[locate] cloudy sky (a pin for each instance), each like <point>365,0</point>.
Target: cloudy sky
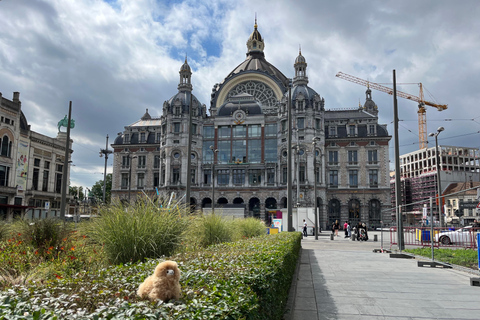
<point>115,58</point>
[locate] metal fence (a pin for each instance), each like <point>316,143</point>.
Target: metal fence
<point>442,237</point>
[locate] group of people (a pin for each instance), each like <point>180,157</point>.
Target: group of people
<point>360,230</point>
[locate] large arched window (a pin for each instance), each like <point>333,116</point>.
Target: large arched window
<point>354,211</point>
<point>333,211</point>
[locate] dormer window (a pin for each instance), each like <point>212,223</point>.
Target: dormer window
<point>254,44</point>
<point>142,137</point>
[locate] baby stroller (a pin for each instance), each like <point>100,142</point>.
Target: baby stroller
<point>362,233</point>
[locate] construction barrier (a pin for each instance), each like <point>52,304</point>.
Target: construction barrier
<point>442,237</point>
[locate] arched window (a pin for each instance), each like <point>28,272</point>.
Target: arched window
<point>333,211</point>
<point>354,211</point>
<point>6,146</point>
<point>374,213</point>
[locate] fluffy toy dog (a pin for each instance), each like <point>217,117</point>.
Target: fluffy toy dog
<point>163,284</point>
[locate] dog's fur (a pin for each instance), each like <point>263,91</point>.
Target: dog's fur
<point>162,284</point>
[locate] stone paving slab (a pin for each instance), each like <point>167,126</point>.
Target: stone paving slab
<point>344,279</point>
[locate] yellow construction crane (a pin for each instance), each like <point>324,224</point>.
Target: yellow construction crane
<point>422,120</point>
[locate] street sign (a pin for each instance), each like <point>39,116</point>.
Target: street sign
<point>47,205</point>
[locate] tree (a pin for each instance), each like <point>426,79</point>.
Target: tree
<point>97,189</point>
<point>76,192</point>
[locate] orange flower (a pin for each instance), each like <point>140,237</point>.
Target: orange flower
<point>19,234</point>
<point>36,251</point>
<point>58,277</point>
<point>62,248</point>
<point>64,239</point>
<point>72,248</point>
<point>50,248</point>
<point>84,236</point>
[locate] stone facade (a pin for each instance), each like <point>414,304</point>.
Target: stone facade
<point>245,138</point>
<point>31,165</point>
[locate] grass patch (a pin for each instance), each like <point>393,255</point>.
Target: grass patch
<point>462,257</point>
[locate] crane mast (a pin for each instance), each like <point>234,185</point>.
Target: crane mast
<point>422,119</point>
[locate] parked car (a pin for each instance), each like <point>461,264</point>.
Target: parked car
<point>463,235</point>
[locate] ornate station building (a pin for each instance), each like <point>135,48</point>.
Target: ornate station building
<point>243,138</point>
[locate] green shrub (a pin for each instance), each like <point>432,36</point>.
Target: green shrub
<point>42,234</point>
<point>462,257</point>
<point>210,229</point>
<point>248,279</point>
<point>249,227</point>
<point>138,232</point>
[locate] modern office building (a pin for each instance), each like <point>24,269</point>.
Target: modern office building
<point>31,165</point>
<point>419,176</point>
<point>244,139</point>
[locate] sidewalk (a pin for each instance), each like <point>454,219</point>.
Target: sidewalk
<point>344,279</point>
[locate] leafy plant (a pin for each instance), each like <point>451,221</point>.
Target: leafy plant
<point>249,227</point>
<point>211,229</point>
<point>135,233</point>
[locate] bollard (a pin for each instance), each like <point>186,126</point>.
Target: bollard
<point>375,237</point>
<point>331,236</point>
<point>353,237</point>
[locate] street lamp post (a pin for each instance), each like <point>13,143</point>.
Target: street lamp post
<point>439,184</point>
<point>314,142</point>
<point>105,152</point>
<point>213,177</point>
<point>130,158</point>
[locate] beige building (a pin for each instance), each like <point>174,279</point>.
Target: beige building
<point>244,141</point>
<point>31,165</point>
<point>461,200</point>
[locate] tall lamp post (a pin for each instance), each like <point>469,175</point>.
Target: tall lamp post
<point>105,152</point>
<point>439,184</point>
<point>130,175</point>
<point>213,177</point>
<point>314,142</point>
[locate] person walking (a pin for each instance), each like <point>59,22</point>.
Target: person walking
<point>345,226</point>
<point>349,230</point>
<point>304,228</point>
<point>336,226</point>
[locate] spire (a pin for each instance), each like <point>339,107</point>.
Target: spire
<point>185,77</point>
<point>300,66</point>
<point>255,42</point>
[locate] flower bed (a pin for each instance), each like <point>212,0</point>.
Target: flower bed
<point>247,279</point>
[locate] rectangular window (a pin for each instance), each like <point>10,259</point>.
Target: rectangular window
<point>127,138</point>
<point>352,157</point>
<point>333,178</point>
<point>371,129</point>
<point>125,161</point>
<point>372,156</point>
<point>300,123</point>
<point>4,171</point>
<point>254,151</point>
<point>194,128</point>
<point>223,177</point>
<point>58,182</point>
<point>207,152</point>
<point>223,151</point>
<point>271,130</point>
<point>207,176</point>
<point>176,175</point>
<point>351,130</point>
<point>176,127</point>
<point>373,178</point>
<point>156,161</point>
<point>142,160</point>
<point>318,124</point>
<point>254,131</point>
<point>36,162</point>
<point>332,131</point>
<point>271,150</point>
<point>284,125</point>
<point>158,137</point>
<point>353,178</point>
<point>284,175</point>
<point>35,178</point>
<point>301,174</point>
<point>156,179</point>
<point>255,177</point>
<point>332,157</point>
<point>239,131</point>
<point>239,151</point>
<point>224,132</point>
<point>208,132</point>
<point>271,175</point>
<point>142,137</point>
<point>192,175</point>
<point>140,180</point>
<point>238,176</point>
<point>45,180</point>
<point>46,165</point>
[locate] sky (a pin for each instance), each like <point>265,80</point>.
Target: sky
<point>116,58</point>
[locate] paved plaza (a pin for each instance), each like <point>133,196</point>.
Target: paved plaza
<point>344,279</point>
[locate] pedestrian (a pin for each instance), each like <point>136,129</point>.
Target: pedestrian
<point>349,230</point>
<point>336,226</point>
<point>304,228</point>
<point>345,225</point>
